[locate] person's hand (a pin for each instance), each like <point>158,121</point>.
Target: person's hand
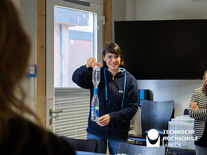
<point>91,62</point>
<point>194,105</point>
<point>103,120</point>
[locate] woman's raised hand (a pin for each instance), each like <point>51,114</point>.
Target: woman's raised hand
<point>91,62</point>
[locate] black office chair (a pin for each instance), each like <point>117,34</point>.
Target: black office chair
<point>186,112</point>
<point>82,145</point>
<point>154,115</point>
<point>130,149</point>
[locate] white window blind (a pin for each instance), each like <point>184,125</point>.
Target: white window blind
<point>74,104</point>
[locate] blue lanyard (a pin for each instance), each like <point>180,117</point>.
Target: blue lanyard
<point>106,95</point>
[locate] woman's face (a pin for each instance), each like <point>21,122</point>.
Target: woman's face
<point>112,61</point>
<point>205,79</point>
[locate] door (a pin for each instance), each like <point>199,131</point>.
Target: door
<point>74,33</point>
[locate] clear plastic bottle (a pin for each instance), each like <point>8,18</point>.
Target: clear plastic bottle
<point>96,76</point>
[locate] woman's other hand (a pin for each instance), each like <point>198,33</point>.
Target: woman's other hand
<point>91,62</point>
<point>103,120</point>
<point>194,105</point>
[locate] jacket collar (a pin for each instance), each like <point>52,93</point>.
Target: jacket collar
<point>119,74</point>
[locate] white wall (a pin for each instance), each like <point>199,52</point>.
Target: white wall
<point>130,13</point>
<point>178,90</point>
<point>171,9</point>
<point>17,3</point>
<point>28,10</point>
<point>118,12</point>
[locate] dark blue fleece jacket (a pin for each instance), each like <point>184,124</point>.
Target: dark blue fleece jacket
<point>120,117</point>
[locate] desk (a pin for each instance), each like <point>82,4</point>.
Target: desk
<point>131,149</point>
<point>87,153</point>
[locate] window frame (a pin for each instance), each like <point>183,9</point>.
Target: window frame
<point>96,6</point>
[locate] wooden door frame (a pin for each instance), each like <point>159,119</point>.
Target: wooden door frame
<point>107,28</point>
<point>41,61</point>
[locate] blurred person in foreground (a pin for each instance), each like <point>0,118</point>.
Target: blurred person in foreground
<point>18,135</point>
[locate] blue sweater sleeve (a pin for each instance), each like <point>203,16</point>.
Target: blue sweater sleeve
<point>83,77</point>
<point>130,105</point>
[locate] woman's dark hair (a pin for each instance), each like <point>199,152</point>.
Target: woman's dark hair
<point>15,48</point>
<point>14,56</point>
<point>111,47</point>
